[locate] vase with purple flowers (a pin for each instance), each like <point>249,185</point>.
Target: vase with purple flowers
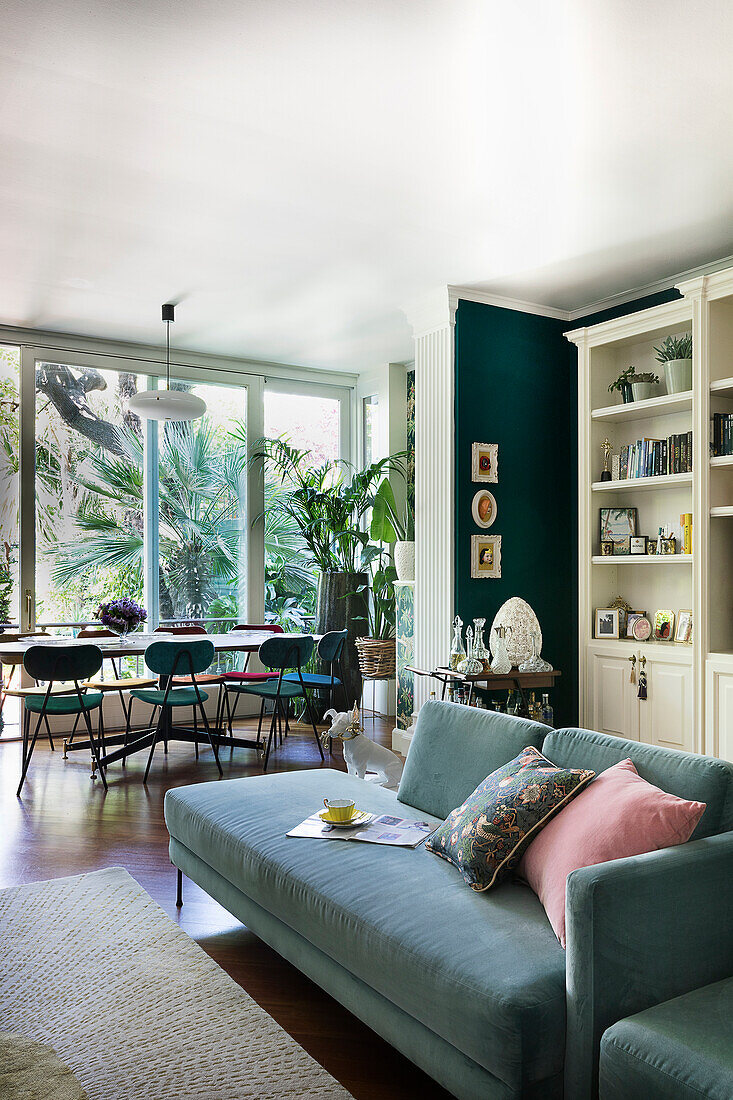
<point>121,615</point>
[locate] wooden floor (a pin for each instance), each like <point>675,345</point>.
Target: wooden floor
<point>65,824</point>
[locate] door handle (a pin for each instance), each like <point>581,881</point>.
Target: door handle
<point>29,608</point>
<point>632,671</point>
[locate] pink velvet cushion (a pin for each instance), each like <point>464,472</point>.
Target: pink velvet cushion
<point>618,814</point>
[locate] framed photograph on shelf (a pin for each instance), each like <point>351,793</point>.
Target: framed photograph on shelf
<point>485,462</point>
<point>607,622</point>
<point>631,622</point>
<point>485,556</point>
<point>483,508</point>
<point>617,523</point>
<point>622,546</point>
<point>607,548</point>
<point>684,627</point>
<point>638,544</point>
<point>664,626</point>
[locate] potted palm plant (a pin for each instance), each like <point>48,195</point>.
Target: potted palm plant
<point>329,504</point>
<point>676,354</point>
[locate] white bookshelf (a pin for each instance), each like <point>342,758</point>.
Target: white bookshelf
<point>690,696</point>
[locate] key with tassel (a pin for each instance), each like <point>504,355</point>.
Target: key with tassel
<point>641,693</point>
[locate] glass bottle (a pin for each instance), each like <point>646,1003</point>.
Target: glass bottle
<point>481,653</point>
<point>501,665</point>
<point>470,666</point>
<point>548,714</point>
<point>457,649</point>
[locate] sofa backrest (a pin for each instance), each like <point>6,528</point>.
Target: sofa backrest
<point>454,747</point>
<point>697,778</point>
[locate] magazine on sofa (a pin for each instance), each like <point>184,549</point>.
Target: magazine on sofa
<point>400,832</point>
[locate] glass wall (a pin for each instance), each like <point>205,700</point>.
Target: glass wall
<point>202,503</point>
<point>309,423</point>
<point>89,491</point>
<point>9,485</point>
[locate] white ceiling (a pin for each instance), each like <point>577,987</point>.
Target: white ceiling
<point>295,171</point>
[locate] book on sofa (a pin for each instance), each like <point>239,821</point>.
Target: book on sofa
<point>400,832</point>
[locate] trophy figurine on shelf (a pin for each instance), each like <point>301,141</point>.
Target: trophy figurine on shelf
<point>605,472</point>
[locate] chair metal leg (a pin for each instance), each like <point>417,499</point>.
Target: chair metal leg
<point>270,739</point>
<point>74,729</point>
<point>27,749</point>
<point>156,735</point>
<point>214,748</point>
<point>311,715</point>
<point>259,724</point>
<point>48,731</point>
<point>95,751</point>
<point>196,731</point>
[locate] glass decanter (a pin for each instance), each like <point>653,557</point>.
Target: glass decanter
<point>501,665</point>
<point>457,649</point>
<point>534,662</point>
<point>470,666</point>
<point>480,651</point>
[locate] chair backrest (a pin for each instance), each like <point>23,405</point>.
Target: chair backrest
<point>62,662</point>
<point>182,658</point>
<point>96,632</point>
<point>286,651</point>
<point>179,630</point>
<point>271,628</point>
<point>332,644</point>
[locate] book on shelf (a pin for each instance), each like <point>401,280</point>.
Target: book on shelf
<point>721,442</point>
<point>657,457</point>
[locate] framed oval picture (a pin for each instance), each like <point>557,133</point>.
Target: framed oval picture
<point>483,508</point>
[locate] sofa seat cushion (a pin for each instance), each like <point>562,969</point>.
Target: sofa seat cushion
<point>680,1049</point>
<point>483,971</point>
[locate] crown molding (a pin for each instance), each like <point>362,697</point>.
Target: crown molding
<point>485,298</point>
<point>430,312</point>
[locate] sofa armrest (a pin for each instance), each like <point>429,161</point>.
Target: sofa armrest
<point>639,931</point>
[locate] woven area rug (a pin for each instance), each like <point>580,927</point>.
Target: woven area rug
<point>94,969</point>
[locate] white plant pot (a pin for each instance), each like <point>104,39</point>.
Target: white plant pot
<point>404,560</point>
<point>643,390</point>
<point>678,375</point>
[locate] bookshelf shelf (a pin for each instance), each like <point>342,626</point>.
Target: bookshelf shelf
<point>643,410</point>
<point>722,387</point>
<point>663,481</point>
<point>643,559</point>
<point>721,460</point>
<point>722,510</point>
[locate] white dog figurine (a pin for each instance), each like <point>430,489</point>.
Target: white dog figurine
<point>361,753</point>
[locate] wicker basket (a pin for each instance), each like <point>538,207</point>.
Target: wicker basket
<point>377,657</point>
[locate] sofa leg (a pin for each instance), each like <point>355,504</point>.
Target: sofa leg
<point>179,888</point>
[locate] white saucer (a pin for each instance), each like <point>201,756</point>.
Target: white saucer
<point>359,818</point>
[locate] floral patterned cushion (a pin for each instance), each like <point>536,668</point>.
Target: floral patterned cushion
<point>486,836</point>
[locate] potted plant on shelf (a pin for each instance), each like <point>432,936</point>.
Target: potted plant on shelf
<point>397,530</point>
<point>623,385</point>
<point>329,503</point>
<point>643,385</point>
<point>676,354</point>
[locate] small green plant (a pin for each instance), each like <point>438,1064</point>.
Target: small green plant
<point>647,376</point>
<point>623,380</point>
<point>675,347</point>
<point>387,524</point>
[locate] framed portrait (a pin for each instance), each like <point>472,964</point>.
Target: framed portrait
<point>483,508</point>
<point>606,549</point>
<point>664,626</point>
<point>631,621</point>
<point>651,546</point>
<point>622,545</point>
<point>485,556</point>
<point>684,627</point>
<point>617,523</point>
<point>607,620</point>
<point>485,462</point>
<point>638,544</point>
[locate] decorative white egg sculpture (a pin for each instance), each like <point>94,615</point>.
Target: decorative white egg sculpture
<point>519,618</point>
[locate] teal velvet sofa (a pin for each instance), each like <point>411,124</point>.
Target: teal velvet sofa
<point>472,987</point>
<point>679,1050</point>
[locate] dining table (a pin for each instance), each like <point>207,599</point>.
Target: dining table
<point>118,746</point>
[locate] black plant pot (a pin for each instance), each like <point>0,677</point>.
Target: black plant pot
<point>342,606</point>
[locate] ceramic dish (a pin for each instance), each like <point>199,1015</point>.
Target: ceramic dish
<point>359,818</point>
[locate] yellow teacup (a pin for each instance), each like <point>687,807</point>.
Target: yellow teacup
<point>339,809</point>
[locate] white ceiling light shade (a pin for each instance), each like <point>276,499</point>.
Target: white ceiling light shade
<point>167,404</point>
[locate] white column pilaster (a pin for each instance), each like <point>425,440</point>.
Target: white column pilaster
<point>432,323</point>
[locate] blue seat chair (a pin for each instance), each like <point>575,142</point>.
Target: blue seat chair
<point>285,653</point>
<point>168,659</point>
<point>69,665</point>
<point>330,650</point>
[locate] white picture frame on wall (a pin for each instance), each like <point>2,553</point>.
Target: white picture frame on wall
<point>485,462</point>
<point>485,556</point>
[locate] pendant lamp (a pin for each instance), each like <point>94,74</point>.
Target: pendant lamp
<point>167,404</point>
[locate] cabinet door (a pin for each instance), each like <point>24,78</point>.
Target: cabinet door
<point>614,705</point>
<point>665,716</point>
<point>719,710</point>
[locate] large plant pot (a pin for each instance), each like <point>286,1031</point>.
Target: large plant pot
<point>678,375</point>
<point>342,606</point>
<point>404,560</point>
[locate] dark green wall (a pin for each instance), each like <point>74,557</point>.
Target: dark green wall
<point>516,385</point>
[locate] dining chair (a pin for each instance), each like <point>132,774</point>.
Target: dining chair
<point>67,665</point>
<point>117,683</point>
<point>244,676</point>
<point>166,659</point>
<point>287,652</point>
<point>14,663</point>
<point>330,650</point>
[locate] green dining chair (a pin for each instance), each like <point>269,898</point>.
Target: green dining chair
<point>69,664</point>
<point>167,660</point>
